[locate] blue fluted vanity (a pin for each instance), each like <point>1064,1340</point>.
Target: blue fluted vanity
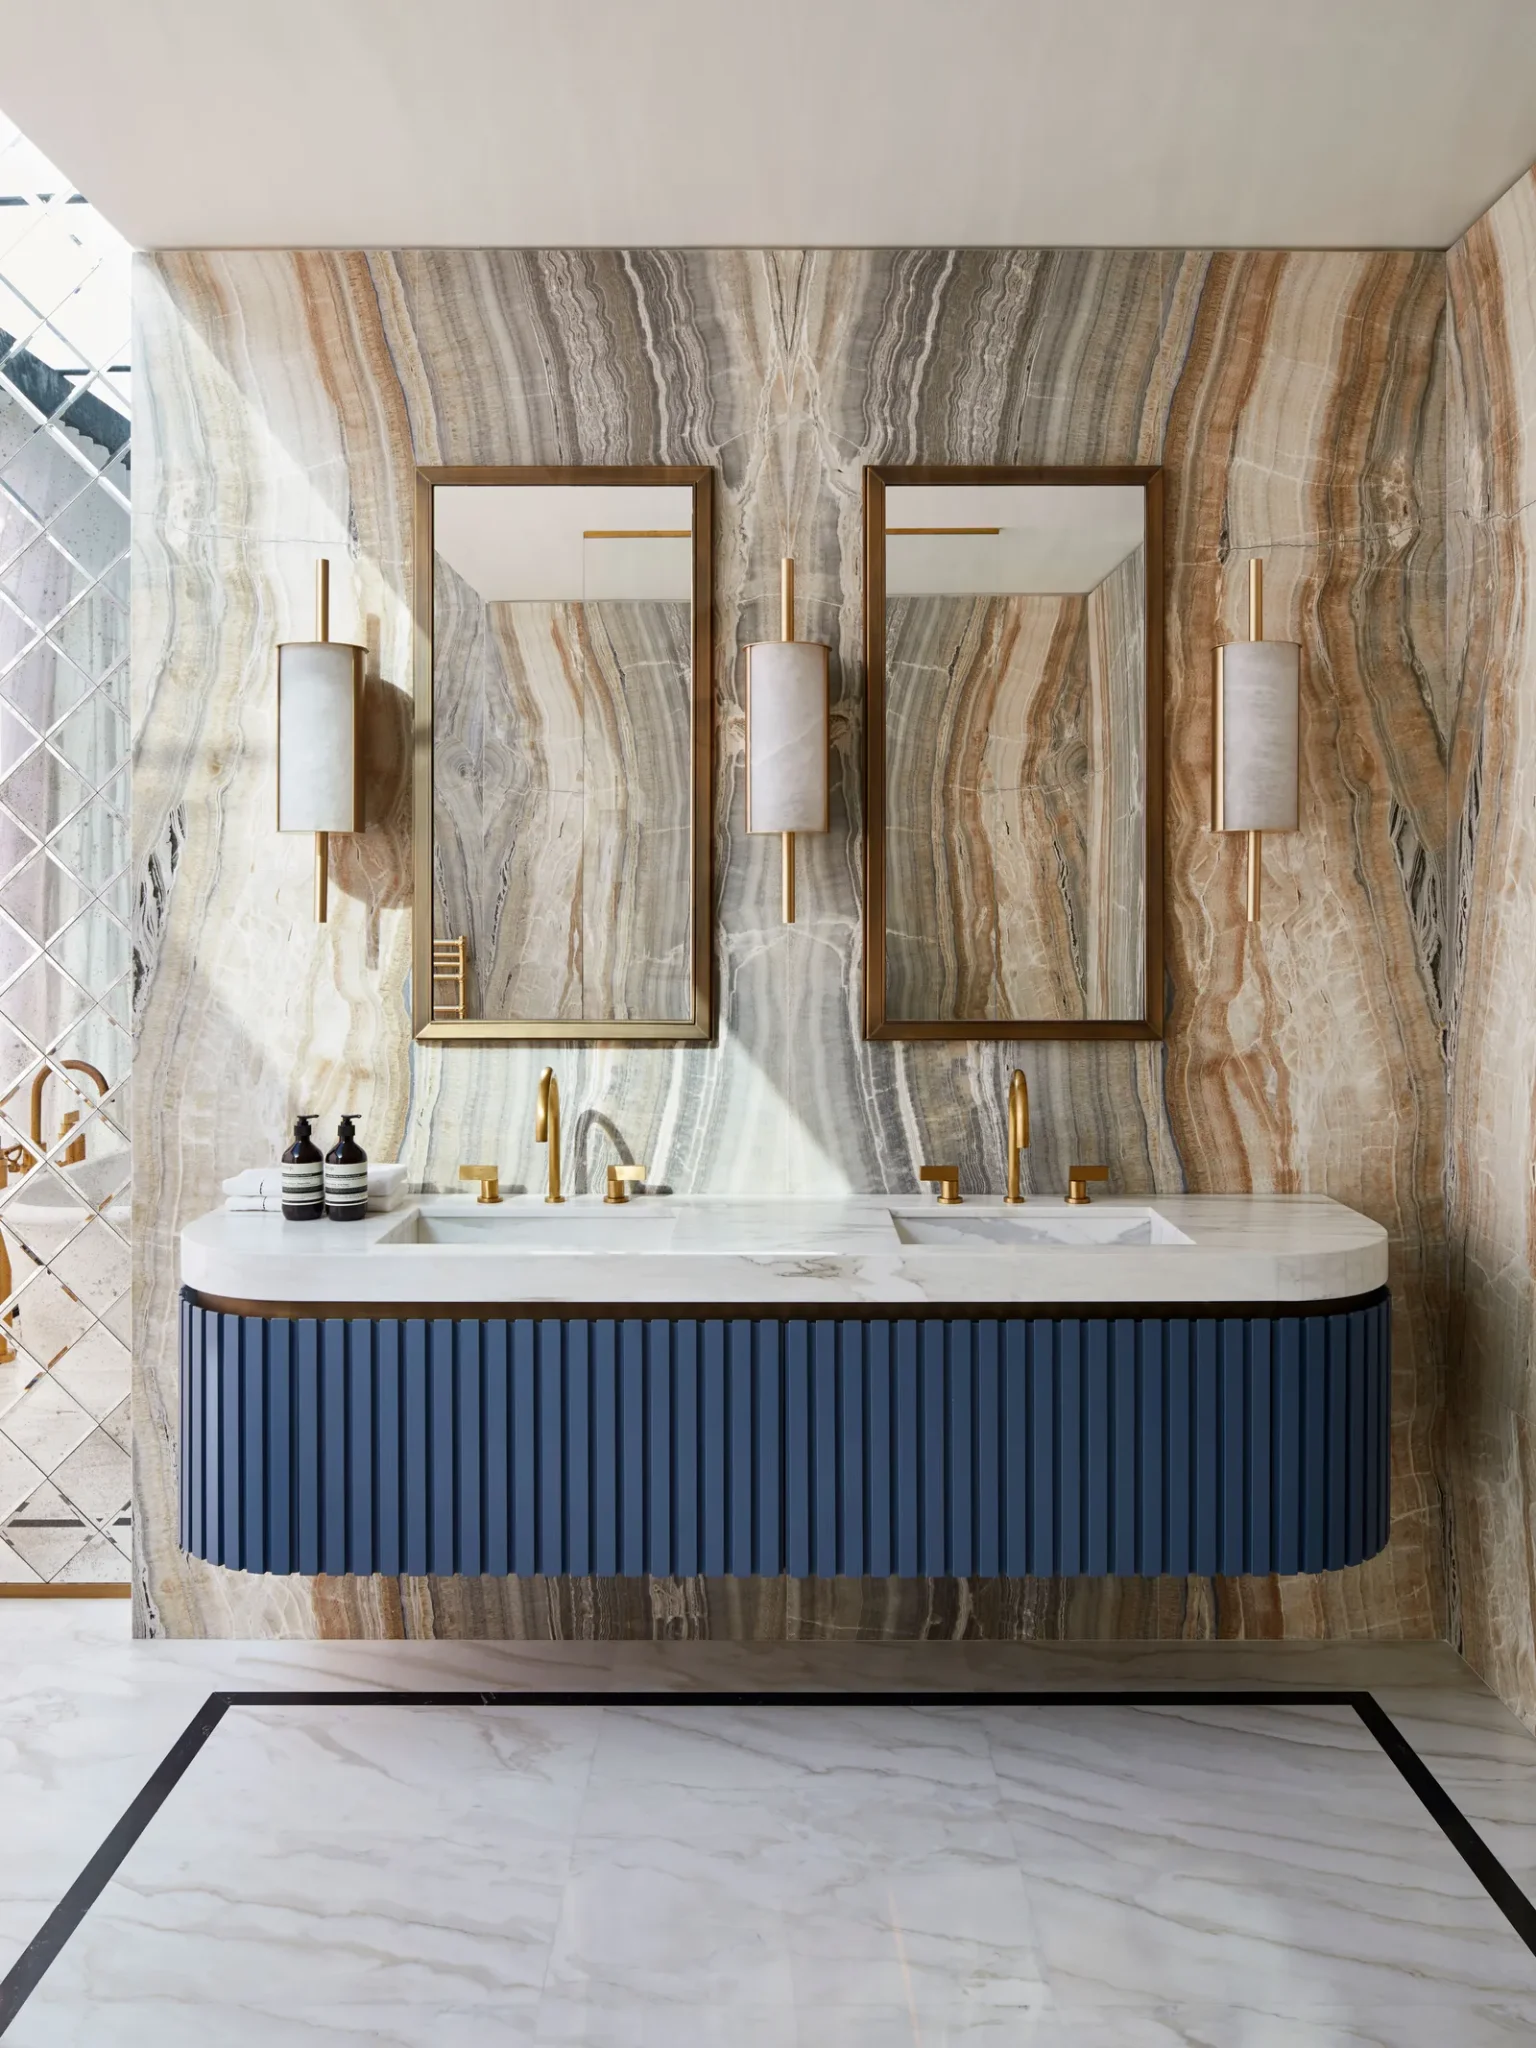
<point>867,1387</point>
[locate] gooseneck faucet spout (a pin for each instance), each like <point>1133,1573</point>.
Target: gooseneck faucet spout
<point>546,1128</point>
<point>1018,1131</point>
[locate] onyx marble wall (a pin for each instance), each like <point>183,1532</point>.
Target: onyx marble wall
<point>1297,403</point>
<point>1491,1188</point>
<point>1015,803</point>
<point>562,766</point>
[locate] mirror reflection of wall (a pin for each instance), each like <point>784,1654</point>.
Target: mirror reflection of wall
<point>562,744</point>
<point>1015,845</point>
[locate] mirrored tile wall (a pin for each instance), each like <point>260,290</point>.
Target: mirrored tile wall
<point>65,956</point>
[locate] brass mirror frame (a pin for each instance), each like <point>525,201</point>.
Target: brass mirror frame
<point>698,1028</point>
<point>877,1024</point>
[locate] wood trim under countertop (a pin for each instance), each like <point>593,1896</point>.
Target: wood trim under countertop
<point>769,1311</point>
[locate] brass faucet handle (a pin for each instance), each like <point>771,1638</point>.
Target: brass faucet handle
<point>617,1175</point>
<point>489,1178</point>
<point>948,1178</point>
<point>1078,1178</point>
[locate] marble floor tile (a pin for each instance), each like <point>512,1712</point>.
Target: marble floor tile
<point>749,1875</point>
<point>1483,1756</point>
<point>1268,1856</point>
<point>345,1874</point>
<point>1108,1876</point>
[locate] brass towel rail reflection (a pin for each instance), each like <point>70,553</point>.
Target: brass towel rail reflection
<point>450,970</point>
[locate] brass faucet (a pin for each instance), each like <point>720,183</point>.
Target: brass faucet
<point>617,1175</point>
<point>948,1179</point>
<point>75,1152</point>
<point>546,1128</point>
<point>1077,1183</point>
<point>1018,1131</point>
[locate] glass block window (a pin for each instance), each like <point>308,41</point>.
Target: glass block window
<point>64,944</point>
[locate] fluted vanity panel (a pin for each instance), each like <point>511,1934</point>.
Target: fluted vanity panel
<point>882,1447</point>
<point>1296,403</point>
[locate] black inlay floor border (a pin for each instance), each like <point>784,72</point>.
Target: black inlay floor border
<point>45,1947</point>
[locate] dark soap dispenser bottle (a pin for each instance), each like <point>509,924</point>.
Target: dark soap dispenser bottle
<point>303,1177</point>
<point>346,1176</point>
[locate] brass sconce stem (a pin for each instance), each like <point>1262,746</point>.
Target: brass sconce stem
<point>322,841</point>
<point>322,876</point>
<point>1255,839</point>
<point>787,632</point>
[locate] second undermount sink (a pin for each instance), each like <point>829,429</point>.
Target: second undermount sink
<point>1039,1228</point>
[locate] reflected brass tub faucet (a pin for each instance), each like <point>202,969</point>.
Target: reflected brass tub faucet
<point>1018,1131</point>
<point>546,1128</point>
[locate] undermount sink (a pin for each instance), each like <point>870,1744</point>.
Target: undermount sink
<point>543,1229</point>
<point>1040,1229</point>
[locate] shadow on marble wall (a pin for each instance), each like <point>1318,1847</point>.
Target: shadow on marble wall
<point>1491,531</point>
<point>1296,402</point>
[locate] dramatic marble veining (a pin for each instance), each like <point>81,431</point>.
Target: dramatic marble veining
<point>1296,403</point>
<point>1491,536</point>
<point>1016,803</point>
<point>562,753</point>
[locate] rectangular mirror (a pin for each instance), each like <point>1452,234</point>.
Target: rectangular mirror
<point>1014,634</point>
<point>563,751</point>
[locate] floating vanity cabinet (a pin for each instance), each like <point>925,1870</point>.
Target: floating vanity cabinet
<point>928,1414</point>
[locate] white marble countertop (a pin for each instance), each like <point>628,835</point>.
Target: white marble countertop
<point>870,1251</point>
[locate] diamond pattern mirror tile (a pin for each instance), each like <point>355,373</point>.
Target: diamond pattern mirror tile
<point>65,951</point>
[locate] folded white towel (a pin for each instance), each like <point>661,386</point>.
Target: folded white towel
<point>268,1180</point>
<point>272,1205</point>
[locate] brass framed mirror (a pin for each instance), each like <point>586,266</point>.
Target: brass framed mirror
<point>563,754</point>
<point>1014,753</point>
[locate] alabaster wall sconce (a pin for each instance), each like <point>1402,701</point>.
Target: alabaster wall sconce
<point>1257,737</point>
<point>788,736</point>
<point>320,737</point>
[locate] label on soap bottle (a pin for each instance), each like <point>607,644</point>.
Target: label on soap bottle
<point>346,1189</point>
<point>303,1183</point>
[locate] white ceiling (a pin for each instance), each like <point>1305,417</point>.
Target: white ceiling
<point>1197,123</point>
<point>1055,539</point>
<point>514,542</point>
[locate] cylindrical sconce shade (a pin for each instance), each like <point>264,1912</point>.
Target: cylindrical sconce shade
<point>319,736</point>
<point>1257,737</point>
<point>787,736</point>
